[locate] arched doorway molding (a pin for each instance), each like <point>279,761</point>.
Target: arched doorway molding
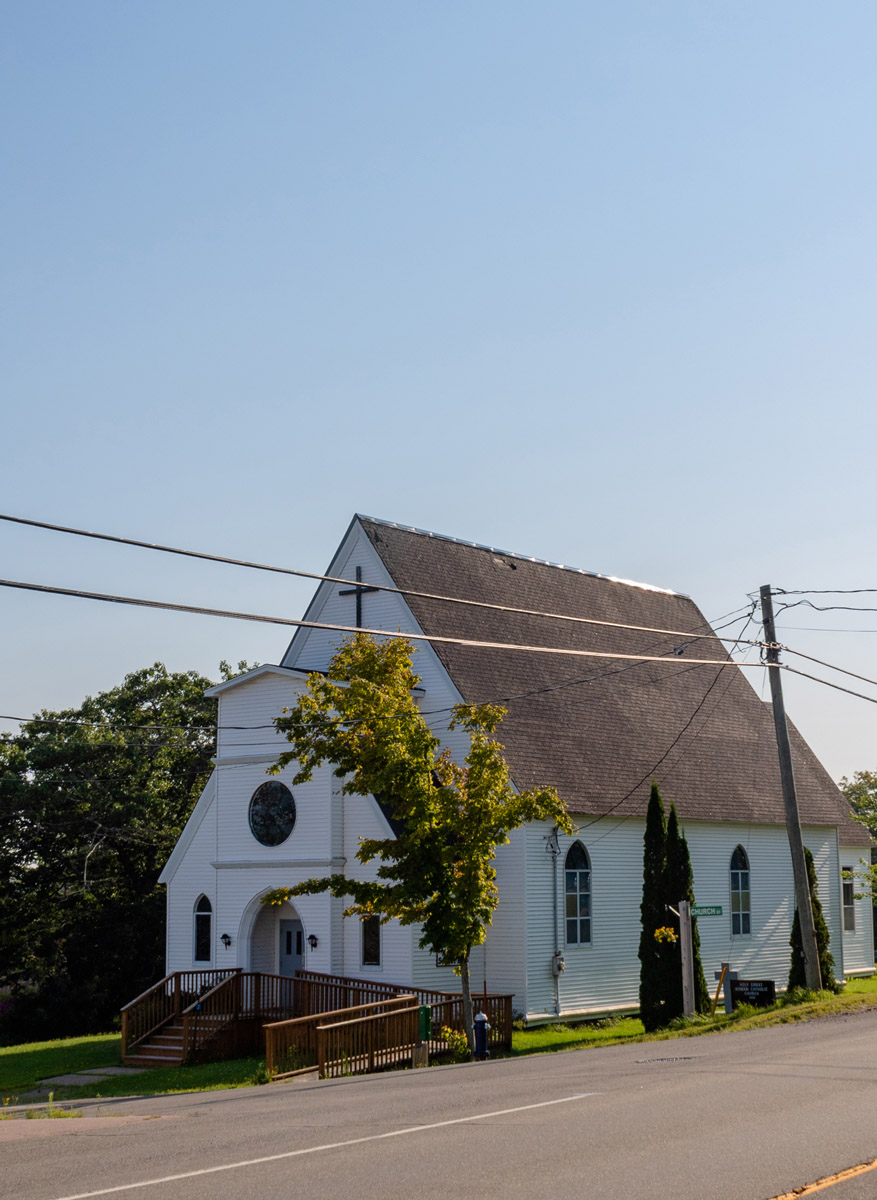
<point>259,933</point>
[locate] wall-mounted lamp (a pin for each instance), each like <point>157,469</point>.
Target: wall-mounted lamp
<point>226,940</point>
<point>312,940</point>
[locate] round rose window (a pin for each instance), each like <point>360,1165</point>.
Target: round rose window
<point>272,813</point>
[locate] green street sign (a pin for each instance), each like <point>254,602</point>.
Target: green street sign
<point>706,910</point>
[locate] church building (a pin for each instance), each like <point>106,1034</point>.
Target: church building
<point>597,726</point>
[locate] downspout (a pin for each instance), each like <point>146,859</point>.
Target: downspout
<point>553,848</point>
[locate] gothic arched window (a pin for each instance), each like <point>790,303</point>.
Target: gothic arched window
<point>203,923</point>
<point>741,908</point>
<point>577,895</point>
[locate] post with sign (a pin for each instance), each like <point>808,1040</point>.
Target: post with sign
<point>687,958</point>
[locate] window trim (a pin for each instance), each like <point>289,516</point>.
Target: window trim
<point>199,914</point>
<point>742,915</point>
<point>579,943</point>
<point>849,907</point>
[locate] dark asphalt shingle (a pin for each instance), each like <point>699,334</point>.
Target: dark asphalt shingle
<point>603,728</point>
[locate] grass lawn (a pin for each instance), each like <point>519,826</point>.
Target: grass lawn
<point>857,995</point>
<point>22,1066</point>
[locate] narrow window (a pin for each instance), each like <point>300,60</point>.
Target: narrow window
<point>203,939</point>
<point>577,889</point>
<point>848,899</point>
<point>371,941</point>
<point>741,912</point>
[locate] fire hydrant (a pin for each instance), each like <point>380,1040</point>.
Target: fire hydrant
<point>481,1027</point>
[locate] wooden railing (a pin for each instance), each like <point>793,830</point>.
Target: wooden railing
<point>447,1007</point>
<point>366,1044</point>
<point>449,1014</point>
<point>224,1013</point>
<point>291,1047</point>
<point>229,1019</point>
<point>162,1002</point>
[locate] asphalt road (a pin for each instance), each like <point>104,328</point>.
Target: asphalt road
<point>737,1116</point>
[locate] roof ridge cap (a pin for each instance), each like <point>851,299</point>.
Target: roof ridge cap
<point>542,562</point>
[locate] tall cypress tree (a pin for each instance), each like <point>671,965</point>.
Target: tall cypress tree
<point>679,883</point>
<point>797,977</point>
<point>652,953</point>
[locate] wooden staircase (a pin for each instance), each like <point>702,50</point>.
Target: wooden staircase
<point>162,1049</point>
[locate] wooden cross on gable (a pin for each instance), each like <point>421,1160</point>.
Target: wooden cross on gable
<point>359,591</point>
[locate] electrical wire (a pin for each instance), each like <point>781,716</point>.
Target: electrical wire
<point>674,743</point>
<point>837,687</point>
<point>820,662</point>
<point>325,626</point>
<point>651,772</point>
<point>821,591</point>
<point>533,692</point>
<point>355,583</point>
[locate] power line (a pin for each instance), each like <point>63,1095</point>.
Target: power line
<point>532,692</point>
<point>676,740</point>
<point>423,637</point>
<point>651,772</point>
<point>236,562</point>
<point>822,591</point>
<point>830,666</point>
<point>837,687</point>
<point>826,607</point>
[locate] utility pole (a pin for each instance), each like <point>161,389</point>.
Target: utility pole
<point>790,798</point>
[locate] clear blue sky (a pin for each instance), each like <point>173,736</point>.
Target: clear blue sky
<point>591,282</point>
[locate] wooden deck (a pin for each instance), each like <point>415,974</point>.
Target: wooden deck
<point>308,1022</point>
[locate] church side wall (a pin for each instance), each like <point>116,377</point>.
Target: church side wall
<point>765,954</point>
<point>362,819</point>
<point>505,948</point>
<point>858,942</point>
<point>604,975</point>
<point>195,877</point>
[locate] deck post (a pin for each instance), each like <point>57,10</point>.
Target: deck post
<point>177,1006</point>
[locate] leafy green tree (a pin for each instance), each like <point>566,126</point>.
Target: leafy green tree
<point>797,977</point>
<point>92,800</point>
<point>679,885</point>
<point>861,794</point>
<point>655,954</point>
<point>438,871</point>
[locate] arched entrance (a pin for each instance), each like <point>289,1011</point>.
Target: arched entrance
<point>276,939</point>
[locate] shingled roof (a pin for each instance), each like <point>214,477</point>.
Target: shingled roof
<point>600,729</point>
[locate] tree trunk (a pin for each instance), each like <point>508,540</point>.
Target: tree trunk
<point>467,1004</point>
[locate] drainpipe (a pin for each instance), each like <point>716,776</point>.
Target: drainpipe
<point>553,848</point>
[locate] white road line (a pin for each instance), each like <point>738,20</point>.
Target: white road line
<point>375,1137</point>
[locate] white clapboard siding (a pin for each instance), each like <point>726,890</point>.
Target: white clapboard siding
<point>312,649</point>
<point>858,943</point>
<point>363,819</point>
<point>427,973</point>
<point>605,975</point>
<point>505,948</point>
<point>194,877</point>
<point>248,710</point>
<point>311,837</point>
<point>765,953</point>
